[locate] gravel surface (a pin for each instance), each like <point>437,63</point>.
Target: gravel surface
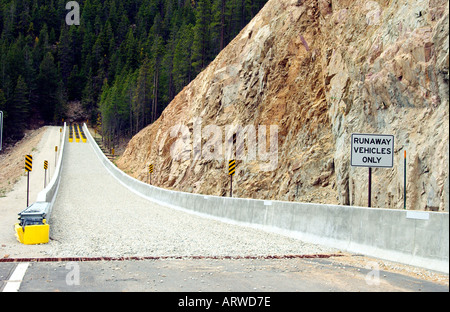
<point>94,215</point>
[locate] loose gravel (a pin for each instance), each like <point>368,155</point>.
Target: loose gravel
<point>95,216</point>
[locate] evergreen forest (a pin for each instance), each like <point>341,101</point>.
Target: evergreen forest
<point>124,62</point>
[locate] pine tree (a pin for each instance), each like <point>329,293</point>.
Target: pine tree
<point>19,112</point>
<point>48,88</point>
<point>65,54</point>
<point>222,24</point>
<point>2,100</point>
<point>131,50</point>
<point>142,96</point>
<point>3,107</point>
<point>182,69</point>
<point>201,45</point>
<point>75,83</point>
<point>217,26</point>
<point>88,99</point>
<point>157,53</point>
<point>9,23</point>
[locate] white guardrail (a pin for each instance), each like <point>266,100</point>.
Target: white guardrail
<point>411,237</point>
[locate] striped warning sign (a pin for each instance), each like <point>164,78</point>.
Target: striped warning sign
<point>28,163</point>
<point>150,168</point>
<point>45,164</point>
<point>232,167</point>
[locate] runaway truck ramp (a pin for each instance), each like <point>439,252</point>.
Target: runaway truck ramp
<point>93,209</point>
<point>414,238</point>
<point>95,215</point>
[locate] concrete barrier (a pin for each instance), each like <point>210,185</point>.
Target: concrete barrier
<point>48,194</point>
<point>410,237</point>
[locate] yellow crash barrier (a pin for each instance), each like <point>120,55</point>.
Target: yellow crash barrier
<point>33,234</point>
<point>32,228</point>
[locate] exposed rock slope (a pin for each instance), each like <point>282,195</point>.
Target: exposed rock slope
<point>320,71</point>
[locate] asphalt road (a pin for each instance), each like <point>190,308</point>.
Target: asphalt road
<point>212,275</point>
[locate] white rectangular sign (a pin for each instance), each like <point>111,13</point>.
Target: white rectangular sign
<point>419,215</point>
<point>372,150</point>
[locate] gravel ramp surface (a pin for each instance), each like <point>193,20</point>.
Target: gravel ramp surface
<point>96,216</point>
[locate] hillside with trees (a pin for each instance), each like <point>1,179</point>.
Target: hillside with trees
<point>125,62</point>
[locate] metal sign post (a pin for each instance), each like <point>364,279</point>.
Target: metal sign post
<point>404,181</point>
<point>232,165</point>
<point>231,172</point>
<point>369,202</point>
<point>372,151</point>
<point>28,168</point>
<point>150,171</point>
<point>45,172</point>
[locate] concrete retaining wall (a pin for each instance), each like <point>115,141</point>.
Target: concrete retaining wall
<point>409,237</point>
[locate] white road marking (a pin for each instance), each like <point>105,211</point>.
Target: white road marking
<point>13,284</point>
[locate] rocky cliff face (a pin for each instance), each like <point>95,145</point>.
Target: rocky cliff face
<point>318,71</point>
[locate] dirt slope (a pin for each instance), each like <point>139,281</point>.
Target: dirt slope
<point>12,159</point>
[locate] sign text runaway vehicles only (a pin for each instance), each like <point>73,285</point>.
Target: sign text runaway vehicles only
<point>372,150</point>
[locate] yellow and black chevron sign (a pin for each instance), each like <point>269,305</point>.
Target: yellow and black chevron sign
<point>45,164</point>
<point>232,167</point>
<point>150,168</point>
<point>28,162</point>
